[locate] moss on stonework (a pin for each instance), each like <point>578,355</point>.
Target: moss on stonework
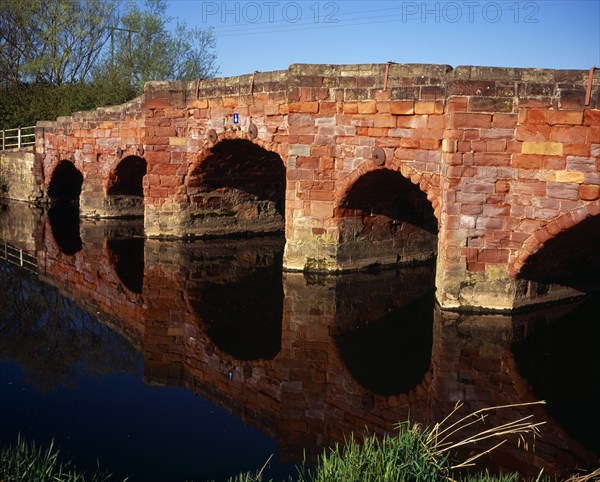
<point>316,265</point>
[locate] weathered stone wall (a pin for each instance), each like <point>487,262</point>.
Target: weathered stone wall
<point>181,120</point>
<point>94,142</point>
<point>16,179</point>
<point>348,126</point>
<point>521,163</point>
<point>504,159</point>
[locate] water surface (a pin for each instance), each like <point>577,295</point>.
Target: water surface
<point>197,360</point>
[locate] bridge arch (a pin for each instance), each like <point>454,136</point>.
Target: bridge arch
<point>390,208</point>
<point>426,182</point>
<point>65,183</point>
<point>554,253</point>
<point>238,180</point>
<point>126,177</point>
<point>124,187</point>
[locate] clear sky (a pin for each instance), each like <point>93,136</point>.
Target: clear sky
<point>265,35</point>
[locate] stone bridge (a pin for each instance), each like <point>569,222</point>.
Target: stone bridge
<point>494,172</point>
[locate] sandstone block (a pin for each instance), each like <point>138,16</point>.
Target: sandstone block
<point>563,190</point>
<point>401,107</point>
<point>569,117</point>
<point>367,107</point>
<point>177,141</point>
<point>504,120</point>
<point>304,107</point>
<point>527,161</point>
<point>567,176</point>
<point>588,192</point>
<point>468,120</point>
<point>299,150</point>
<point>591,117</point>
<point>545,148</point>
<point>425,107</point>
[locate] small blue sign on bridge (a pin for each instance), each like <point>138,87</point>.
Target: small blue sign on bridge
<point>236,118</point>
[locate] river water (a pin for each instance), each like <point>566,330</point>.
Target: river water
<point>195,360</point>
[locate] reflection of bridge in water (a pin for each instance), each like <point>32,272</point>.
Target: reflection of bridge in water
<point>303,359</point>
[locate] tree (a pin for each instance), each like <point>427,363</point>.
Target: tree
<point>60,56</point>
<point>54,42</point>
<point>143,48</point>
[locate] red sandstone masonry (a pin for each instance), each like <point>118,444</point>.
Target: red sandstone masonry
<point>521,138</point>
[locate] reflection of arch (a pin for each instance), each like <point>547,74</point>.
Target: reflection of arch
<point>555,253</point>
<point>127,177</point>
<point>243,317</point>
<point>127,258</point>
<point>64,224</point>
<point>559,364</point>
<point>65,183</point>
<point>391,355</point>
<point>475,360</point>
<point>242,166</point>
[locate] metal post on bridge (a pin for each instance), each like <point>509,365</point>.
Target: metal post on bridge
<point>19,138</point>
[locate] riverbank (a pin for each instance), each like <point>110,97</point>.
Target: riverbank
<point>412,454</point>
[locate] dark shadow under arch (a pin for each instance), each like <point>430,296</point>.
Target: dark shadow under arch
<point>128,176</point>
<point>386,219</point>
<point>571,258</point>
<point>246,167</point>
<point>388,193</point>
<point>65,184</point>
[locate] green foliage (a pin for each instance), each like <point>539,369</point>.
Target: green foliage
<point>25,104</point>
<point>402,458</point>
<point>26,461</point>
<point>54,42</point>
<point>145,49</point>
<point>62,56</point>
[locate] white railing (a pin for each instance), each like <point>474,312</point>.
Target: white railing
<point>17,137</point>
<point>18,257</point>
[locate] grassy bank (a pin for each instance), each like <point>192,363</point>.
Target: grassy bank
<point>27,462</point>
<point>412,454</point>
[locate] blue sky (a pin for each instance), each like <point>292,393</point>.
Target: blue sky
<point>265,35</point>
